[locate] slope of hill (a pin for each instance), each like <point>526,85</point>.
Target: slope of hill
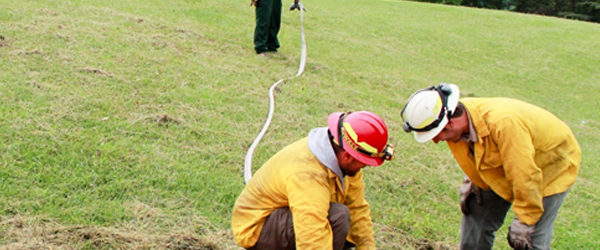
<point>125,123</point>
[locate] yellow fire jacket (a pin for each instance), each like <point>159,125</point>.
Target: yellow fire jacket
<point>523,153</point>
<point>294,177</point>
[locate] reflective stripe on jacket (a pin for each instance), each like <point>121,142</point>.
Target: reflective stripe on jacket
<point>295,178</point>
<point>523,153</point>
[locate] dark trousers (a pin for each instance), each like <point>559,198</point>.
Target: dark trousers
<point>268,20</point>
<point>478,229</point>
<point>278,231</point>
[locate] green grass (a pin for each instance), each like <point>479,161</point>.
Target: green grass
<point>131,119</point>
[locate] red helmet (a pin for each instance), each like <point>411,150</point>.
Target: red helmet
<point>364,136</point>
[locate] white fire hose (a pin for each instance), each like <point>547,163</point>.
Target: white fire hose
<point>248,159</point>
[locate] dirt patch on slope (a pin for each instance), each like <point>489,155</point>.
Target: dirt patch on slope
<point>22,232</point>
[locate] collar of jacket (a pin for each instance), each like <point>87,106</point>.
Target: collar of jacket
<point>477,117</point>
<point>472,135</point>
<point>319,145</point>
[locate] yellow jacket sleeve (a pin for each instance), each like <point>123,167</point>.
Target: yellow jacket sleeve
<point>361,226</point>
<point>517,151</point>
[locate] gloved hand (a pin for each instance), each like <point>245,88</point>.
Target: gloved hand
<point>467,191</point>
<point>520,235</point>
<point>297,5</point>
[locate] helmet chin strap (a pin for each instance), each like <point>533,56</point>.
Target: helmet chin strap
<point>340,126</point>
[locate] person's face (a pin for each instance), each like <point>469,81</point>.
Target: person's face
<point>451,132</point>
<point>349,165</point>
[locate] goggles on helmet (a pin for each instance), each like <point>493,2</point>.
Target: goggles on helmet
<point>443,91</point>
<point>386,154</point>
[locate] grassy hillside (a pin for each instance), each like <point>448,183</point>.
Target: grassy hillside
<point>125,123</point>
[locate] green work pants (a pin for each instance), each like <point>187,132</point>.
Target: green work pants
<point>268,20</point>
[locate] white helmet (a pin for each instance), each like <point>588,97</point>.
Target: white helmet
<point>427,111</point>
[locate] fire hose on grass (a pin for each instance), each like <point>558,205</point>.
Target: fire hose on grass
<point>248,158</point>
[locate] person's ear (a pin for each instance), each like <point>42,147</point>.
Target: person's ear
<point>451,122</point>
<point>346,157</point>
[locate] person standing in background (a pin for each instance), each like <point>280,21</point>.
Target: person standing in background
<point>268,21</point>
